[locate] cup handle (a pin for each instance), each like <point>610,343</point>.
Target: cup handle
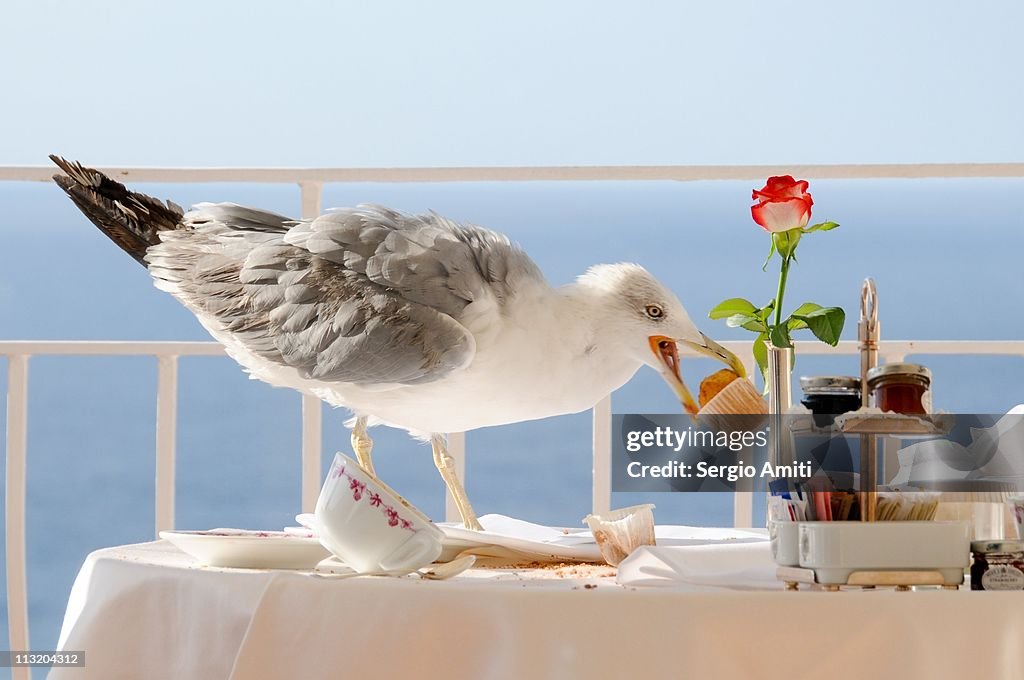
<point>419,550</point>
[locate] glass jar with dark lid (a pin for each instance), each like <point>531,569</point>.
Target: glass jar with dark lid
<point>901,388</point>
<point>830,394</point>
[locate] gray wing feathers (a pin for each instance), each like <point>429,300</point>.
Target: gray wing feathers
<point>424,258</point>
<point>364,295</point>
<point>234,217</point>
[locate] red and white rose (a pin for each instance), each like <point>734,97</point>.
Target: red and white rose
<point>782,204</point>
<point>783,209</point>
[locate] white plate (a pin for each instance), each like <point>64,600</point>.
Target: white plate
<point>242,549</point>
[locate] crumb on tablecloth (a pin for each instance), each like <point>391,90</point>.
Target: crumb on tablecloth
<point>569,570</point>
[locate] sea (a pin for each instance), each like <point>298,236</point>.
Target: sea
<point>946,255</point>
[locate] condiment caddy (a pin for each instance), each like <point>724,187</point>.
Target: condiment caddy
<point>902,554</point>
<point>869,553</point>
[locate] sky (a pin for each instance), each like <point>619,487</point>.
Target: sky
<point>199,83</point>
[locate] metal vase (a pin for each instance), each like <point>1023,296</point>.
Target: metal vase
<point>780,399</point>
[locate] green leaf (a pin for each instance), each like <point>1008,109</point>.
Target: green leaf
<point>821,226</point>
<point>765,311</point>
<point>731,307</point>
<point>771,251</point>
<point>737,320</point>
<point>826,323</point>
<point>745,320</point>
<point>779,336</point>
<point>807,308</point>
<point>795,321</point>
<point>760,350</point>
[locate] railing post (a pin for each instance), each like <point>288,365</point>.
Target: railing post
<point>312,445</point>
<point>743,501</point>
<point>601,495</point>
<point>311,195</point>
<point>312,413</point>
<point>17,443</point>
<point>166,423</point>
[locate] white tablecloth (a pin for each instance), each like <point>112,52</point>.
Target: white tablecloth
<point>147,611</point>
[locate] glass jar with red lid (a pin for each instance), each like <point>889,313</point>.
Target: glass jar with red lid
<point>901,388</point>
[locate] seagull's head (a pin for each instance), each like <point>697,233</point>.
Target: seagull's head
<point>651,323</point>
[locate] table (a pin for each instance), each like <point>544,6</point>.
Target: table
<point>148,611</point>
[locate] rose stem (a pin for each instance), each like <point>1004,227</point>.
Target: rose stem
<point>782,290</point>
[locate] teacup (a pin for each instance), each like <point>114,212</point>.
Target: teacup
<point>369,527</point>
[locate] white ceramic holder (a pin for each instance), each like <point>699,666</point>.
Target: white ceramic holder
<point>836,550</point>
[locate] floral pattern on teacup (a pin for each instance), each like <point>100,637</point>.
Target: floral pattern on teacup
<point>375,499</point>
<point>357,488</point>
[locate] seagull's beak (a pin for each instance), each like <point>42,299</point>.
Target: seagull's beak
<point>667,351</point>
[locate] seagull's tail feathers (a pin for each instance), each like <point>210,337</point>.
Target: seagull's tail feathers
<point>131,220</point>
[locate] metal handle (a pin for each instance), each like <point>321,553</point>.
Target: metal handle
<point>868,334</point>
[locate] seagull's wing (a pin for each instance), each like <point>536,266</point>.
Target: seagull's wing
<point>364,295</point>
<point>425,259</point>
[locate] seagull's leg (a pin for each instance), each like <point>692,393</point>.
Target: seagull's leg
<point>446,466</point>
<point>363,445</point>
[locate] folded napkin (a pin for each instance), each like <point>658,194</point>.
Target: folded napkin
<point>740,564</point>
<point>502,526</point>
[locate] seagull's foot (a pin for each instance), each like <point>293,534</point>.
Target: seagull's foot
<point>446,466</point>
<point>362,445</point>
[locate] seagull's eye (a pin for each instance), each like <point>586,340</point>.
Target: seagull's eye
<point>654,311</point>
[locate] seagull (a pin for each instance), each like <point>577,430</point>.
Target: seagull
<point>413,321</point>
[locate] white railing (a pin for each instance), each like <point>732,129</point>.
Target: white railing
<point>310,182</point>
